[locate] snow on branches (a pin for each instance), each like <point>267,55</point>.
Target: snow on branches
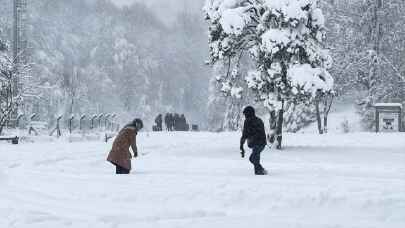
<point>284,38</point>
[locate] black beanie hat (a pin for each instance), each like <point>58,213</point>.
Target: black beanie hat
<point>137,123</point>
<point>249,111</point>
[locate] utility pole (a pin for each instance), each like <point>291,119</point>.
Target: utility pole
<point>20,40</point>
<point>20,45</point>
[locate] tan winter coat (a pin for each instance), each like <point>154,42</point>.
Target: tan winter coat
<point>120,154</point>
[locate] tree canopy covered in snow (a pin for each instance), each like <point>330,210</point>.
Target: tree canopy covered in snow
<point>285,40</point>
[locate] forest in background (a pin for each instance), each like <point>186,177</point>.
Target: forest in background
<point>94,57</point>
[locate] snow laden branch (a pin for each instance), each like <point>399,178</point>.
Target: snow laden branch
<point>284,38</point>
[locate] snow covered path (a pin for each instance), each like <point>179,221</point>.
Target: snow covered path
<point>199,180</point>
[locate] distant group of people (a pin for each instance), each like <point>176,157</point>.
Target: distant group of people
<point>253,134</point>
<point>173,122</point>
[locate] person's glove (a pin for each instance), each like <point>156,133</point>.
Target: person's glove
<point>135,154</point>
<point>242,152</point>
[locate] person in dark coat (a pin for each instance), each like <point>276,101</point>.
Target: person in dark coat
<point>167,121</point>
<point>171,121</point>
<point>176,122</point>
<point>159,122</point>
<point>255,135</point>
<point>183,122</point>
<point>120,156</point>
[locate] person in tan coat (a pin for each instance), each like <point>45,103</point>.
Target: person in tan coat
<point>120,156</point>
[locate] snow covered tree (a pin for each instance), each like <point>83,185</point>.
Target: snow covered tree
<point>370,51</point>
<point>367,39</point>
<point>122,60</point>
<point>11,88</point>
<point>285,41</point>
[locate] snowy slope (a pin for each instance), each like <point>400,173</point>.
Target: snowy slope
<point>199,180</point>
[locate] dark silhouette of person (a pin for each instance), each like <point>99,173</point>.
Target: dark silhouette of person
<point>255,135</point>
<point>183,122</point>
<point>176,122</point>
<point>159,122</point>
<point>171,121</point>
<point>167,121</point>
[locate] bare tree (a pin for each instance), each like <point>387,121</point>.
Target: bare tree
<point>323,104</point>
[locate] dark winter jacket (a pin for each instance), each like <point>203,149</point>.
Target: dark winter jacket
<point>253,132</point>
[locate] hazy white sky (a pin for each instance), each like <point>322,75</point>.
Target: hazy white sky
<point>167,9</point>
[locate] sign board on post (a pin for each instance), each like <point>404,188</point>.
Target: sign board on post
<point>388,117</point>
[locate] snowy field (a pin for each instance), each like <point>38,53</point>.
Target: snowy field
<point>199,180</point>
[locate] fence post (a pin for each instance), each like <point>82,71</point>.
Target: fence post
<point>113,121</point>
<point>58,131</point>
<point>71,123</point>
<point>31,128</point>
<point>100,118</point>
<point>106,121</point>
<point>93,118</point>
<point>17,121</point>
<point>81,122</point>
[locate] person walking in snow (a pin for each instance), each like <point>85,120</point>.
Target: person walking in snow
<point>159,121</point>
<point>120,156</point>
<point>255,135</point>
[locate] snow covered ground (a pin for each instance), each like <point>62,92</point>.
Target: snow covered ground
<point>199,180</point>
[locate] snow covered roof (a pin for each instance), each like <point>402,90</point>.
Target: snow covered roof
<point>388,105</point>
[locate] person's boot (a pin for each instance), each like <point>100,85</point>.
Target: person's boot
<point>279,139</point>
<point>260,171</point>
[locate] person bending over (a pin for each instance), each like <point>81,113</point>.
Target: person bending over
<point>120,156</point>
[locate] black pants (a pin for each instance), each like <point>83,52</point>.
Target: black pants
<point>255,158</point>
<point>121,170</point>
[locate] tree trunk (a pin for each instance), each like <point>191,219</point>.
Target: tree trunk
<point>280,127</point>
<point>273,127</point>
<point>318,116</point>
<point>327,106</point>
<point>276,126</point>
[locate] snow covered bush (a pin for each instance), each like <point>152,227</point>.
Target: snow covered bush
<point>284,38</point>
